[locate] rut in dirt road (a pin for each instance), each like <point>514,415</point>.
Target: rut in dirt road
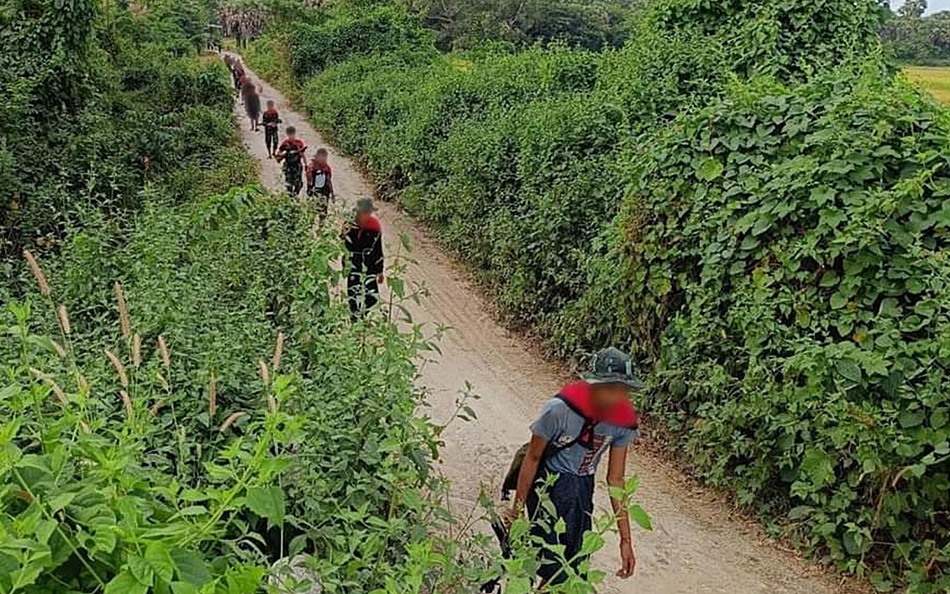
<point>697,545</point>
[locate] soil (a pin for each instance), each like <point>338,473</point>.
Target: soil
<point>699,542</point>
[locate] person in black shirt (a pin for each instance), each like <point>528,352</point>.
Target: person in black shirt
<point>291,154</point>
<point>364,242</point>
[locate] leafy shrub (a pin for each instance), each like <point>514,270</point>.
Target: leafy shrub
<point>180,478</point>
<point>352,31</point>
<point>788,248</point>
<point>786,38</point>
<point>131,114</point>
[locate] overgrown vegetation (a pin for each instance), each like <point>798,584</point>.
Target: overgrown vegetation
<point>744,194</point>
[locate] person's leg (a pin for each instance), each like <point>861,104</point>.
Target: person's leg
<point>573,500</point>
<point>372,291</point>
<point>575,503</point>
<point>323,206</point>
<point>354,287</point>
<point>542,527</point>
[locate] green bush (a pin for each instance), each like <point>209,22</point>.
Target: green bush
<point>352,31</point>
<point>139,107</point>
<point>200,463</point>
<point>788,247</point>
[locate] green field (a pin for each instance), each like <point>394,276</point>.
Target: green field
<point>935,79</point>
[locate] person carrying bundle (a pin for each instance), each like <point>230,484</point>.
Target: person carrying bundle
<point>291,154</point>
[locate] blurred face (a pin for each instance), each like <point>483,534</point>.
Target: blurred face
<point>321,158</point>
<point>607,396</point>
<point>270,105</point>
<point>291,135</point>
<point>362,217</point>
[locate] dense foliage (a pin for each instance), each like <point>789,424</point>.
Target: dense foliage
<point>590,24</point>
<point>99,102</point>
<point>746,196</point>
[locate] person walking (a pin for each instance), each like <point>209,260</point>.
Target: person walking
<point>252,106</point>
<point>291,153</point>
<point>363,237</point>
<point>575,428</point>
<point>271,120</point>
<point>320,183</point>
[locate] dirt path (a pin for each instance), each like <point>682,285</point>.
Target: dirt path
<point>697,546</point>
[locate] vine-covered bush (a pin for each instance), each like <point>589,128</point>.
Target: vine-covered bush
<point>114,99</point>
<point>366,28</point>
<point>785,251</point>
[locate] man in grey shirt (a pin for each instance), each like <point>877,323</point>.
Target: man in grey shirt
<point>569,438</point>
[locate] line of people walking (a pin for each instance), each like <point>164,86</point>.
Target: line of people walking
<point>574,430</point>
<point>361,234</point>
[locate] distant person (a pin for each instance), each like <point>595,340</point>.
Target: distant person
<point>237,72</point>
<point>363,237</point>
<point>320,182</point>
<point>271,120</point>
<point>247,87</point>
<point>252,106</point>
<point>568,439</point>
<point>291,154</point>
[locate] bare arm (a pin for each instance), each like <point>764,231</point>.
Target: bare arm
<point>529,471</point>
<point>616,468</point>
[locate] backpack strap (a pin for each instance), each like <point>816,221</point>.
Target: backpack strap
<point>586,436</point>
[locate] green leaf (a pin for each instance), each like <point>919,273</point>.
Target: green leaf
<point>592,542</point>
<point>911,418</point>
<point>141,570</point>
<point>838,300</point>
<point>829,279</point>
<point>267,502</point>
<point>638,515</point>
<point>938,419</point>
<point>709,169</point>
<point>849,370</point>
<point>125,583</point>
<point>190,567</point>
<point>159,558</point>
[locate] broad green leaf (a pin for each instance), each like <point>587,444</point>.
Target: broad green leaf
<point>158,556</point>
<point>849,370</point>
<point>190,567</point>
<point>125,583</point>
<point>911,418</point>
<point>267,502</point>
<point>638,515</point>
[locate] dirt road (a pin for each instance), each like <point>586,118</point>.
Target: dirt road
<point>697,546</point>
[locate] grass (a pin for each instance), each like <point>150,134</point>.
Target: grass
<point>935,79</point>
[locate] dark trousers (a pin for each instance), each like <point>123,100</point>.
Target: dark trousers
<point>573,499</point>
<point>362,291</point>
<point>271,139</point>
<point>293,176</point>
<point>322,201</point>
